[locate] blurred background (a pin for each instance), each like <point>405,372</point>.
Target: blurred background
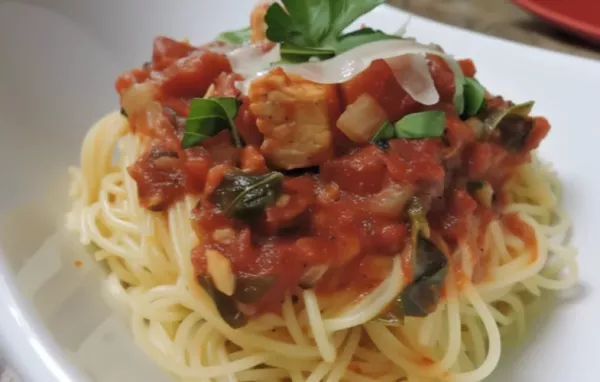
<point>505,19</point>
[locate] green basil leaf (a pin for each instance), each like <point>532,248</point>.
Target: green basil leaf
<point>521,110</point>
<point>386,131</point>
<point>305,23</point>
<point>345,12</point>
<point>237,37</point>
<point>426,124</point>
<point>297,54</point>
<point>244,196</point>
<point>474,95</point>
<point>225,305</point>
<point>422,295</point>
<point>511,126</point>
<point>314,27</point>
<point>207,117</point>
<point>363,36</point>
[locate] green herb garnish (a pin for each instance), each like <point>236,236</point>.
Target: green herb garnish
<point>237,37</point>
<point>426,124</point>
<point>521,110</point>
<point>474,95</point>
<point>511,126</point>
<point>313,28</point>
<point>226,305</point>
<point>207,117</point>
<point>430,267</point>
<point>386,131</point>
<point>244,196</point>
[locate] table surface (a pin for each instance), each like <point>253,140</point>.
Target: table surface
<point>500,18</point>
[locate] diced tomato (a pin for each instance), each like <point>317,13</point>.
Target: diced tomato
<point>166,51</point>
<point>130,78</point>
<point>379,82</point>
<point>468,67</point>
<point>252,160</point>
<point>197,166</point>
<point>443,77</point>
<point>245,122</point>
<point>541,128</point>
<point>225,85</point>
<point>192,75</point>
<point>362,172</point>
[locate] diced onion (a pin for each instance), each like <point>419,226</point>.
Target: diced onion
<point>391,201</point>
<point>361,120</point>
<point>138,97</point>
<point>412,73</point>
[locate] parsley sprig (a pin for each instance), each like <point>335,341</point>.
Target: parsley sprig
<point>314,28</point>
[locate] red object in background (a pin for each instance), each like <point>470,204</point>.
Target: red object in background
<point>581,17</point>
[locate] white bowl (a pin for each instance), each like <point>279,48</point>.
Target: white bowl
<point>58,63</point>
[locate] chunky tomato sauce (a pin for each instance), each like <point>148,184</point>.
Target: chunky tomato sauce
<point>346,215</point>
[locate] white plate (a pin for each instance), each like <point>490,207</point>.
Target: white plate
<point>59,60</point>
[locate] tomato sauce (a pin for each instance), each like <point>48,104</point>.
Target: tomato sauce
<point>346,217</point>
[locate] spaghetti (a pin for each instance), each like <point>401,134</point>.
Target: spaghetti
<point>156,246</point>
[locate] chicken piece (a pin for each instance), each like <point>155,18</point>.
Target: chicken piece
<point>296,117</point>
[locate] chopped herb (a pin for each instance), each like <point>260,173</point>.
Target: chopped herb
<point>123,112</point>
<point>521,110</point>
<point>386,131</point>
<point>431,267</point>
<point>511,126</point>
<point>207,117</point>
<point>250,289</point>
<point>426,124</point>
<point>226,305</point>
<point>474,95</point>
<point>243,196</point>
<point>237,37</point>
<point>420,297</point>
<point>313,28</point>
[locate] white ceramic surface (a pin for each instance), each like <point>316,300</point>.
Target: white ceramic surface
<point>58,63</point>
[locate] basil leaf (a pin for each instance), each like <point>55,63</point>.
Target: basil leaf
<point>207,117</point>
<point>420,297</point>
<point>305,23</point>
<point>237,37</point>
<point>474,95</point>
<point>360,37</point>
<point>521,110</point>
<point>426,124</point>
<point>511,127</point>
<point>226,305</point>
<point>250,289</point>
<point>314,27</point>
<point>244,196</point>
<point>296,54</point>
<point>345,12</point>
<point>386,131</point>
<point>430,269</point>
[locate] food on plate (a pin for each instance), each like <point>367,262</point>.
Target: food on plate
<point>299,200</point>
